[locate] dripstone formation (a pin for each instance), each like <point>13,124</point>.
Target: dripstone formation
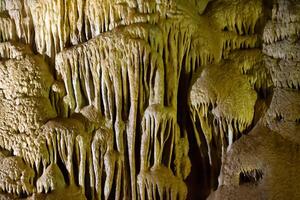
<point>149,99</point>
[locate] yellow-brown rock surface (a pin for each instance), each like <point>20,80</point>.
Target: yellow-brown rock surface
<point>149,99</point>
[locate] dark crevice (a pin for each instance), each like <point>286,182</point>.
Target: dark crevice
<point>252,176</point>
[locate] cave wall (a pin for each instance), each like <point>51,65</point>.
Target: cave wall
<point>149,99</point>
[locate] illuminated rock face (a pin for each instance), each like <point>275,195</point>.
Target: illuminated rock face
<point>149,99</point>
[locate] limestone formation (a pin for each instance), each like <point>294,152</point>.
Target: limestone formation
<point>16,176</point>
<point>149,99</point>
<point>265,162</point>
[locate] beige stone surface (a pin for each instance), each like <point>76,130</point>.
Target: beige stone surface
<point>149,99</point>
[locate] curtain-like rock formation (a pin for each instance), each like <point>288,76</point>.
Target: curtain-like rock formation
<point>122,99</point>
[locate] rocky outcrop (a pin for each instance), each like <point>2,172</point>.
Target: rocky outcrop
<point>15,176</point>
<point>265,163</point>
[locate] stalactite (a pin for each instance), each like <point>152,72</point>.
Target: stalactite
<point>7,32</point>
<point>256,163</point>
<point>17,178</point>
<point>92,94</point>
<point>65,139</point>
<point>219,112</point>
<point>160,141</point>
<point>281,77</point>
<point>25,85</point>
<point>52,179</point>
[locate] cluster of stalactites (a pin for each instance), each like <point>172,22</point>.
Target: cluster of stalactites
<point>281,44</point>
<point>85,146</point>
<point>53,26</point>
<point>25,86</point>
<point>17,21</point>
<point>244,18</point>
<point>220,113</point>
<point>121,73</point>
<point>15,176</point>
<point>282,49</point>
<point>249,166</point>
<point>215,108</point>
<point>222,103</point>
<point>107,74</point>
<point>162,175</point>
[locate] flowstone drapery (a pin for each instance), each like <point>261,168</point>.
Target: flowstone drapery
<point>149,99</point>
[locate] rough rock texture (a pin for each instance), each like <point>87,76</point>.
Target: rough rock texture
<point>149,99</point>
<point>264,164</point>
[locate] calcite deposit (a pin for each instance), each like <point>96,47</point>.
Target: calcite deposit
<point>149,99</point>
